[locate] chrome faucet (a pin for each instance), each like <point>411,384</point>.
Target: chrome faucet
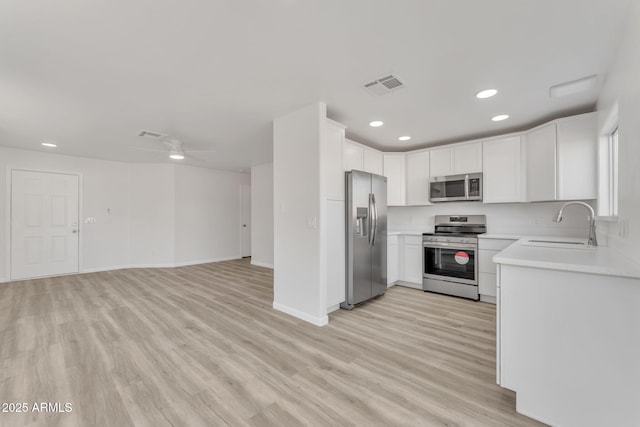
<point>592,220</point>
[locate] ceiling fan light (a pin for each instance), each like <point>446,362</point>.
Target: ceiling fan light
<point>176,155</point>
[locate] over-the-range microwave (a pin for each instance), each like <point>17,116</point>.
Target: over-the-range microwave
<point>454,188</point>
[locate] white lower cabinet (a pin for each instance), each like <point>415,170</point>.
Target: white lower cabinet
<point>487,280</point>
<point>392,260</point>
<point>410,265</point>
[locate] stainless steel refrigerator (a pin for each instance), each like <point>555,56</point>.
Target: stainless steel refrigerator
<point>366,237</point>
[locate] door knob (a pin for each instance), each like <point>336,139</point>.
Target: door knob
<point>75,231</point>
<point>244,225</point>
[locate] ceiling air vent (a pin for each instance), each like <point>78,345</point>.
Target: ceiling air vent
<point>151,134</point>
<point>384,85</point>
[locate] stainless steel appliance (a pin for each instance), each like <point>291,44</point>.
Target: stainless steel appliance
<point>450,261</point>
<point>366,239</point>
<point>454,188</point>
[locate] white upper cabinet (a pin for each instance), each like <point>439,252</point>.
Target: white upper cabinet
<point>418,178</point>
<point>503,171</point>
<point>441,163</point>
<point>467,158</point>
<point>561,160</point>
<point>541,164</point>
<point>373,161</point>
<point>333,163</point>
<point>456,159</point>
<point>395,171</point>
<point>353,156</point>
<point>577,157</point>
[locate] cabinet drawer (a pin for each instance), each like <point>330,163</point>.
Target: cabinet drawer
<point>495,244</point>
<point>485,263</point>
<point>413,240</point>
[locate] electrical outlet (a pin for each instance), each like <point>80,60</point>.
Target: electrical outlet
<point>312,222</point>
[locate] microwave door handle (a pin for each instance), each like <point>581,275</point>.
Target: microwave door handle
<point>466,187</point>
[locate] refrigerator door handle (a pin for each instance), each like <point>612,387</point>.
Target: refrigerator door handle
<point>370,219</point>
<point>375,220</point>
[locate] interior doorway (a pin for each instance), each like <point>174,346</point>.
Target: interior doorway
<point>44,224</point>
<point>245,220</point>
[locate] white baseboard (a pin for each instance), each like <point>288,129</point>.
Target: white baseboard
<point>206,261</point>
<point>261,264</point>
<point>333,308</point>
<point>318,321</point>
<point>165,265</point>
<point>3,280</point>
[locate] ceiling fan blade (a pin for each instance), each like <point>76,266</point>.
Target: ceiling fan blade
<point>147,149</point>
<point>200,151</point>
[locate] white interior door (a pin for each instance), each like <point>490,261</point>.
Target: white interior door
<point>246,220</point>
<point>44,224</point>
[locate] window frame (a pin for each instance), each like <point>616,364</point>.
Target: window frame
<point>608,167</point>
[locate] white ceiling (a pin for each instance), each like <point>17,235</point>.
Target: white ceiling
<point>90,75</point>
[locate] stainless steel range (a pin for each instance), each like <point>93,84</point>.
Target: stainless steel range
<point>450,261</point>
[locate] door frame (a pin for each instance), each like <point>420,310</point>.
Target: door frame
<point>8,234</point>
<point>242,209</point>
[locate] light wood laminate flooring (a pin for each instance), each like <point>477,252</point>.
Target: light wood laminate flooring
<point>202,346</point>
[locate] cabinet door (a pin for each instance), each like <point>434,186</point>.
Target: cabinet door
<point>392,260</point>
<point>418,179</point>
<point>333,162</point>
<point>395,171</point>
<point>353,156</point>
<point>373,161</point>
<point>503,171</point>
<point>541,164</point>
<point>412,263</point>
<point>577,158</point>
<point>441,162</point>
<point>467,158</point>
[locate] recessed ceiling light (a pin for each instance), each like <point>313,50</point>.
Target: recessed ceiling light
<point>404,138</point>
<point>48,144</point>
<point>176,156</point>
<point>487,93</point>
<point>376,124</point>
<point>500,117</point>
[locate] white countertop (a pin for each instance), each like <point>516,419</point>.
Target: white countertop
<point>405,233</point>
<point>599,260</point>
<point>500,236</point>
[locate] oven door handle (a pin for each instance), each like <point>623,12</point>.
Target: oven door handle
<point>450,246</point>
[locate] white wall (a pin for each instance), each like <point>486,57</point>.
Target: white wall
<point>207,214</point>
<point>152,215</point>
<point>262,215</point>
<point>146,214</point>
<point>104,184</point>
<point>508,218</point>
<point>623,87</point>
<point>298,284</point>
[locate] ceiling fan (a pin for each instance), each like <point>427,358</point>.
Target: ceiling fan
<point>174,147</point>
